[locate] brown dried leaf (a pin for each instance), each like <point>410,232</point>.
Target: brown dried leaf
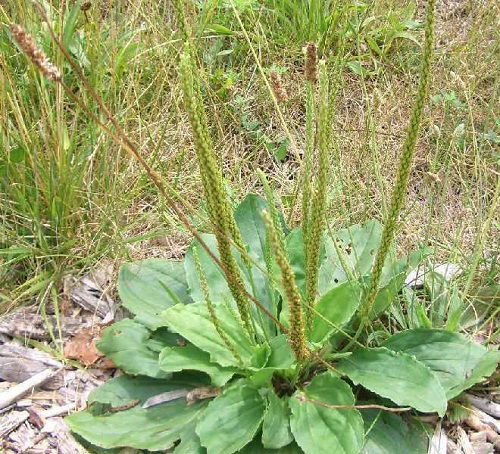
<point>82,347</point>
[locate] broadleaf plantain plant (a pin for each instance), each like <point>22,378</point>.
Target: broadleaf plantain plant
<point>264,346</point>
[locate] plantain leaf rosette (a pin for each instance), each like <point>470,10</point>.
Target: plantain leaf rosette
<point>196,382</point>
<point>270,339</point>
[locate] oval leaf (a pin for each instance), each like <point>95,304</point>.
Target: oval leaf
<point>358,245</point>
<point>248,217</point>
<point>156,428</point>
<point>276,425</point>
<point>456,361</point>
<point>148,287</point>
<point>318,429</point>
<point>388,433</point>
<point>217,285</point>
<point>231,420</point>
<point>335,309</point>
<point>126,344</point>
<point>397,376</point>
<point>193,322</point>
<point>176,359</point>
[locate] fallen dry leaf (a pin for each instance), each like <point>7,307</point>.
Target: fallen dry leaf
<point>82,347</point>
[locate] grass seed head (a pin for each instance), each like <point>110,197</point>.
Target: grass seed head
<point>278,89</point>
<point>311,70</point>
<point>34,53</point>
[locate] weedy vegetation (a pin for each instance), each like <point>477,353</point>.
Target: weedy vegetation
<point>287,325</point>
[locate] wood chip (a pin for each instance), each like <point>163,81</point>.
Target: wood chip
<point>448,271</point>
<point>27,324</point>
<point>491,408</point>
<point>90,293</point>
<point>488,420</point>
<point>463,441</point>
<point>475,423</point>
<point>18,363</point>
<point>66,444</point>
<point>58,411</point>
<point>202,393</point>
<point>23,437</point>
<point>13,394</point>
<point>439,441</point>
<point>12,421</point>
<point>452,447</point>
<point>482,447</point>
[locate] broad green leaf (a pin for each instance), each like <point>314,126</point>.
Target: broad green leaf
<point>125,54</point>
<point>219,29</point>
<point>397,376</point>
<point>388,433</point>
<point>190,442</point>
<point>217,285</point>
<point>248,217</point>
<point>334,309</point>
<point>255,447</point>
<point>358,245</point>
<point>281,354</point>
<point>276,423</point>
<point>294,246</point>
<point>193,323</point>
<point>393,279</point>
<point>280,357</point>
<point>232,419</point>
<point>162,338</point>
<point>260,356</point>
<point>70,24</point>
<point>409,36</point>
<point>156,428</point>
<point>126,344</point>
<point>458,362</point>
<point>122,390</point>
<point>17,154</point>
<point>357,68</point>
<point>175,359</point>
<point>148,287</point>
<point>262,378</point>
<point>318,429</point>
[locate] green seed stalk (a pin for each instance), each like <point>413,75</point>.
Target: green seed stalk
<point>399,193</point>
<point>211,309</point>
<point>296,334</point>
<point>317,222</point>
<point>219,209</point>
